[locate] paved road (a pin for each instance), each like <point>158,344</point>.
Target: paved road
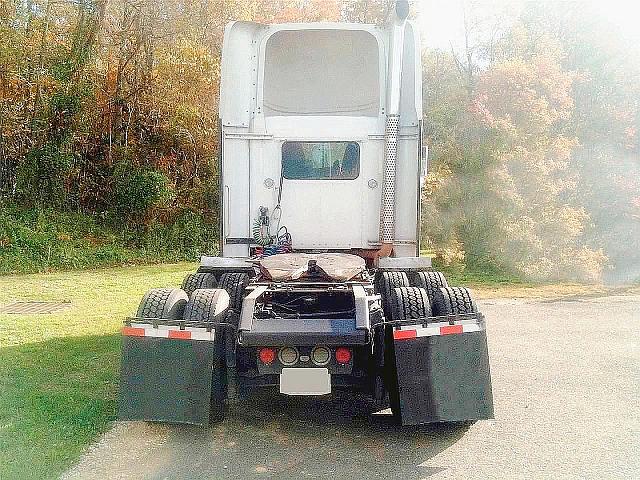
<point>566,380</point>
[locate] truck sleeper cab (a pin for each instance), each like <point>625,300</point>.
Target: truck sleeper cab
<point>319,284</point>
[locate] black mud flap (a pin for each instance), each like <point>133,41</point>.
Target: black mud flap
<point>442,377</point>
<point>168,380</point>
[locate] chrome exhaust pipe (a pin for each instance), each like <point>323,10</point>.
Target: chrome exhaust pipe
<point>392,127</point>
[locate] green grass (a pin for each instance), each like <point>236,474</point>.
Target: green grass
<point>41,240</point>
<point>59,372</point>
<point>487,276</point>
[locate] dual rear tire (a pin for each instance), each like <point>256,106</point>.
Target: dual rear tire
<point>235,285</point>
<point>409,302</point>
<point>431,282</point>
<point>429,296</point>
<point>453,300</point>
<point>424,294</point>
<point>168,303</point>
<point>204,305</point>
<point>406,303</point>
<point>233,282</point>
<point>196,281</point>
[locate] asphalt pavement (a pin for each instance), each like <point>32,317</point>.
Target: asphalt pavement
<point>566,383</point>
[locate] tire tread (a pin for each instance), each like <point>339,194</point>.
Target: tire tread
<point>234,284</point>
<point>385,282</point>
<point>194,281</point>
<point>410,302</point>
<point>431,282</point>
<point>155,303</point>
<point>201,305</point>
<point>454,300</point>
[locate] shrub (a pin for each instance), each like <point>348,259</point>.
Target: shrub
<point>41,177</point>
<point>139,190</point>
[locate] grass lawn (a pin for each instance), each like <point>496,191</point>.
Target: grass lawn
<point>59,372</point>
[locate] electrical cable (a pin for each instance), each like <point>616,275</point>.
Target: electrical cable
<point>272,244</point>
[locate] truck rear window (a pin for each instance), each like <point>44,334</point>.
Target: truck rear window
<point>320,160</point>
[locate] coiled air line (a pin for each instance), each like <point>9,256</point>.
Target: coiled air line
<point>273,244</point>
<point>261,234</point>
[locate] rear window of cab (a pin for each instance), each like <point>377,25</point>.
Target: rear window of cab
<point>321,160</point>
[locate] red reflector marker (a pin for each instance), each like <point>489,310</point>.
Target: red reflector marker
<point>404,334</point>
<point>343,355</point>
<point>267,355</point>
<point>181,334</point>
<point>450,329</point>
<point>133,332</point>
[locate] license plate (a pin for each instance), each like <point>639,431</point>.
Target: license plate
<point>305,381</point>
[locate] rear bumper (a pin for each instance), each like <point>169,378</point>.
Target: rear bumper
<point>274,332</point>
<point>360,383</point>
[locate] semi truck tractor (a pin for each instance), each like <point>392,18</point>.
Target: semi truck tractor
<point>319,285</point>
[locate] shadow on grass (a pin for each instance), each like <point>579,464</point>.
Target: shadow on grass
<point>56,396</point>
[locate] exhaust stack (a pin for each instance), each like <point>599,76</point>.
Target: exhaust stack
<point>387,210</point>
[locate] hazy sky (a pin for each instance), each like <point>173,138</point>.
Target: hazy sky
<point>441,20</point>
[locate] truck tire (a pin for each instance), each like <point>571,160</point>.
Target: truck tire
<point>234,284</point>
<point>207,305</point>
<point>409,302</point>
<point>431,282</point>
<point>194,281</point>
<point>166,303</point>
<point>453,300</point>
<point>385,282</point>
<point>211,305</point>
<point>406,303</point>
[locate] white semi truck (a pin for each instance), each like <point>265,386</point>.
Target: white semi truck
<point>320,284</point>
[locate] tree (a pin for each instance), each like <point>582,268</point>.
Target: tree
<point>606,121</point>
<point>504,192</point>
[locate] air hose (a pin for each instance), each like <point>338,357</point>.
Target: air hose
<point>282,244</point>
<point>261,234</point>
<point>272,244</point>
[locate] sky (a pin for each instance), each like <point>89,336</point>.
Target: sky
<point>441,20</point>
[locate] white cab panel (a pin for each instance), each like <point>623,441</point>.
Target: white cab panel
<point>327,213</point>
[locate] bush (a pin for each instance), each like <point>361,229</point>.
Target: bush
<point>139,190</point>
<point>188,235</point>
<point>40,179</point>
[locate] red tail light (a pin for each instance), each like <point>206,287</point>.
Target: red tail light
<point>267,355</point>
<point>343,355</point>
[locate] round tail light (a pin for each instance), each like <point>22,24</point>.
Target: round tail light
<point>267,355</point>
<point>288,355</point>
<point>320,355</point>
<point>343,355</point>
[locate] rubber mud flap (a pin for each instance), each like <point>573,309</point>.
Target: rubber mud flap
<point>443,378</point>
<point>167,380</point>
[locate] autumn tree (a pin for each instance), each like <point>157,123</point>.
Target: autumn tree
<point>504,189</point>
<point>606,122</point>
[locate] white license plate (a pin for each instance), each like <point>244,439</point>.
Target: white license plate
<point>305,381</point>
